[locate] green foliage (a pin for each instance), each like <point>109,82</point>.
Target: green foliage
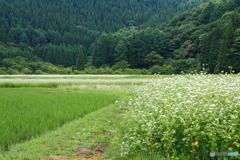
<point>206,12</point>
<point>7,62</point>
<point>3,72</point>
<point>164,69</point>
<point>155,69</point>
<point>187,50</point>
<point>189,65</point>
<point>129,45</point>
<point>12,71</point>
<point>26,71</point>
<point>113,15</point>
<point>104,49</point>
<point>20,65</point>
<point>194,35</point>
<point>226,56</point>
<point>120,65</point>
<point>81,59</point>
<point>153,59</point>
<point>121,50</point>
<point>217,12</point>
<point>58,44</point>
<point>39,72</point>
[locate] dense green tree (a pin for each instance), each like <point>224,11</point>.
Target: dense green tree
<point>121,50</point>
<point>159,42</point>
<point>143,47</point>
<point>153,59</point>
<point>7,62</point>
<point>223,62</point>
<point>234,54</point>
<point>187,50</point>
<point>104,50</point>
<point>217,12</point>
<point>81,59</point>
<point>120,65</point>
<point>24,38</point>
<point>211,48</point>
<point>206,13</point>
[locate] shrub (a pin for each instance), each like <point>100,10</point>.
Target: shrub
<point>12,71</point>
<point>26,71</point>
<point>120,65</point>
<point>2,72</point>
<point>39,72</point>
<point>155,69</point>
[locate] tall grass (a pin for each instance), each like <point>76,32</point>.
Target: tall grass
<point>27,115</point>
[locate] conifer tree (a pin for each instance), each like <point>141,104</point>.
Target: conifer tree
<point>81,59</point>
<point>24,38</point>
<point>223,62</point>
<point>217,13</point>
<point>206,13</point>
<point>153,59</point>
<point>121,51</point>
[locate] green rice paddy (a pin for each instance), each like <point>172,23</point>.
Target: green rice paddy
<point>30,112</point>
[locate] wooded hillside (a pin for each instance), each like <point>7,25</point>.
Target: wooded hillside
<point>121,34</point>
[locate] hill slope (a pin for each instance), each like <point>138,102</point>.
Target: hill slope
<point>54,30</point>
<point>101,15</point>
<point>204,38</point>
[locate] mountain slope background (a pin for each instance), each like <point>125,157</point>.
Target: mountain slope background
<point>116,34</point>
<point>100,15</point>
<point>204,39</point>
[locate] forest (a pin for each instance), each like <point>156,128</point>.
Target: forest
<point>119,37</point>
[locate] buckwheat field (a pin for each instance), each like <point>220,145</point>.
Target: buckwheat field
<point>184,117</point>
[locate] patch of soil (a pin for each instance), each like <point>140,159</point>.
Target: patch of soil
<point>93,157</point>
<point>100,149</point>
<point>89,152</point>
<point>104,132</point>
<point>85,154</point>
<point>59,158</point>
<point>85,151</point>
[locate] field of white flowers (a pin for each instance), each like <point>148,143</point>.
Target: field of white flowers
<point>183,117</point>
